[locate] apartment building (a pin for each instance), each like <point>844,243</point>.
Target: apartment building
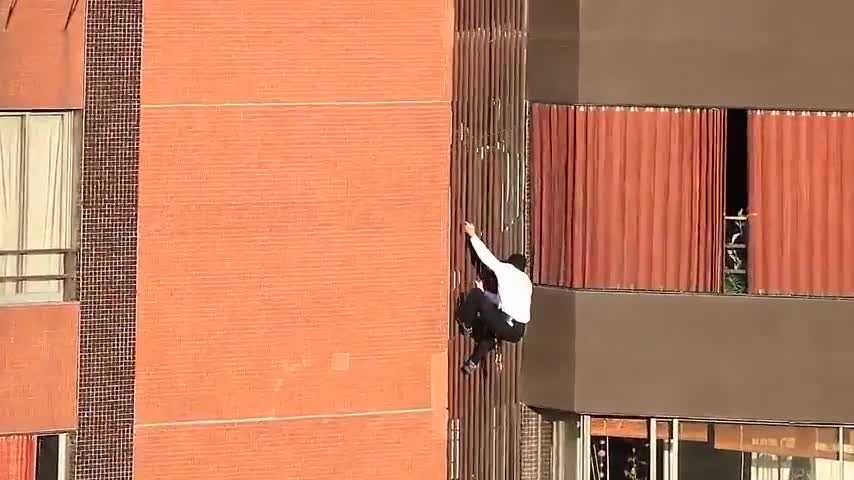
<point>211,265</point>
<point>690,223</point>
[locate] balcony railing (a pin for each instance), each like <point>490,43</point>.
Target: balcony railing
<point>65,276</point>
<point>735,253</point>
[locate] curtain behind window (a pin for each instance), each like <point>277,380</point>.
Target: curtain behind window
<point>801,174</point>
<point>36,199</point>
<point>48,199</point>
<point>11,129</point>
<point>18,457</point>
<point>628,198</point>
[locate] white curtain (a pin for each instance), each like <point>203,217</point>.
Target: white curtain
<point>38,203</point>
<point>49,199</point>
<point>10,197</point>
<point>766,466</point>
<point>774,467</point>
<point>826,469</point>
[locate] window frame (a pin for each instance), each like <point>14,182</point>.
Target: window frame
<point>584,437</point>
<point>68,289</point>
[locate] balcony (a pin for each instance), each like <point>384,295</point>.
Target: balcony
<point>38,276</point>
<point>735,258</point>
<point>691,355</point>
<point>39,211</point>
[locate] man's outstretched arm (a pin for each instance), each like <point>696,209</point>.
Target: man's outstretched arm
<point>481,250</point>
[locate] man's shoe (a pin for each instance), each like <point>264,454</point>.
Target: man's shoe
<point>469,367</point>
<point>464,329</point>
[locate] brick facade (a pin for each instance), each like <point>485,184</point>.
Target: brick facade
<point>38,380</point>
<point>43,71</point>
<point>264,239</point>
<point>293,241</point>
<point>269,282</point>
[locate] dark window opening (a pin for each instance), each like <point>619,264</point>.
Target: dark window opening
<point>736,162</point>
<point>737,186</point>
<point>47,464</point>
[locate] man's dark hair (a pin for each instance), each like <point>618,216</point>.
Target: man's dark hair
<point>517,260</point>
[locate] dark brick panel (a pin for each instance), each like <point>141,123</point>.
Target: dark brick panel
<point>108,245</point>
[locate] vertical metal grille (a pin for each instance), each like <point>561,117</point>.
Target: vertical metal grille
<point>537,449</point>
<point>489,188</point>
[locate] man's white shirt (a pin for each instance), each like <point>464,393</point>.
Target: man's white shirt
<point>514,286</point>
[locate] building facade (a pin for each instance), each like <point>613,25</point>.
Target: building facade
<point>232,239</point>
<point>226,240</point>
<point>689,219</point>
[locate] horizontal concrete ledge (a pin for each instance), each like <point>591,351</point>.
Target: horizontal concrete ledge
<point>676,53</point>
<point>786,359</point>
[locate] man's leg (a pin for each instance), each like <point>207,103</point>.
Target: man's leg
<point>483,347</point>
<point>468,311</point>
<point>494,324</point>
<point>497,323</point>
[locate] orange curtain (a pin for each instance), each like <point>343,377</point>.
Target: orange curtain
<point>801,169</point>
<point>18,457</point>
<point>628,198</point>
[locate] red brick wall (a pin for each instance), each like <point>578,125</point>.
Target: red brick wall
<point>42,61</point>
<point>38,378</point>
<point>293,240</point>
<point>393,447</point>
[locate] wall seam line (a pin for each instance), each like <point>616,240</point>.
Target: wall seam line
<point>320,416</point>
<point>295,104</point>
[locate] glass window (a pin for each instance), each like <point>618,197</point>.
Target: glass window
<point>38,160</point>
<point>620,449</point>
<point>663,450</point>
<point>848,452</point>
<point>37,457</point>
<point>757,452</point>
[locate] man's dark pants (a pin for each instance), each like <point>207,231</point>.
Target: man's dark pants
<point>478,311</point>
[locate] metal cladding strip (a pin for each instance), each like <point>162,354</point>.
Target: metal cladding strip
<point>489,166</point>
<point>108,243</point>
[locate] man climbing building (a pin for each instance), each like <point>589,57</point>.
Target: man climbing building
<point>505,319</point>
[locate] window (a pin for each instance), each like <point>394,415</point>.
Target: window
<point>39,154</point>
<point>848,453</point>
<point>37,457</point>
<point>736,162</point>
<point>735,221</point>
<point>729,451</point>
<point>619,449</point>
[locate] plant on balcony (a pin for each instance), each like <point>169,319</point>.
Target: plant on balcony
<point>735,275</point>
<point>734,283</point>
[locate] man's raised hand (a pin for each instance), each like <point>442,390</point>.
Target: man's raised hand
<point>470,230</point>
